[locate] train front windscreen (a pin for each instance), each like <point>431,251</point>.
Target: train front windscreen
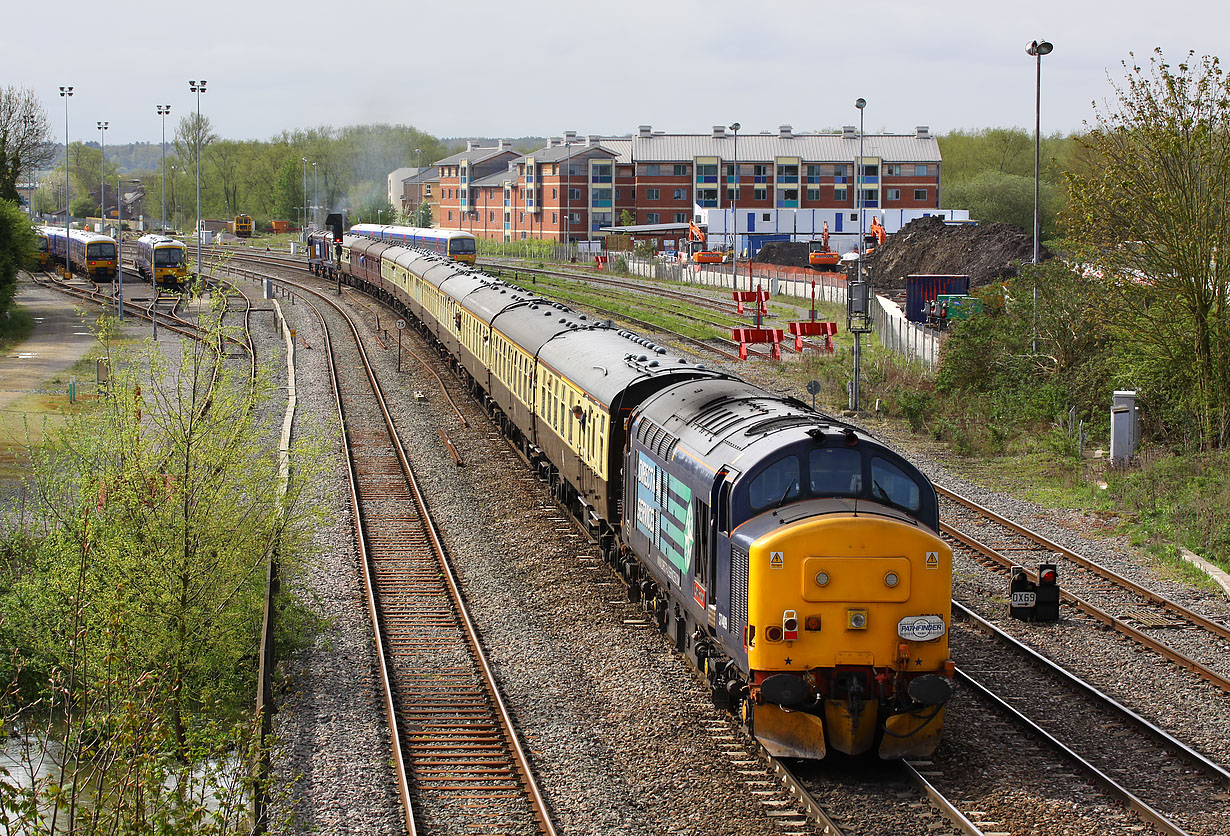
<point>169,257</point>
<point>461,246</point>
<point>101,249</point>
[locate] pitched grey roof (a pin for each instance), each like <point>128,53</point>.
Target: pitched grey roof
<point>476,155</point>
<point>814,148</point>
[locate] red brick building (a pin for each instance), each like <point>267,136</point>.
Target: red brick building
<point>575,188</point>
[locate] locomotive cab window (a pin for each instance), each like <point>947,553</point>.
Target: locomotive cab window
<point>100,250</point>
<point>777,483</point>
<point>892,485</point>
<point>836,471</point>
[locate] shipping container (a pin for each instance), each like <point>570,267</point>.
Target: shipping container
<point>921,289</point>
<point>960,306</point>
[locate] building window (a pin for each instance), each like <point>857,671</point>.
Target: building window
<point>680,170</point>
<point>491,216</point>
<point>617,194</point>
<point>521,220</point>
<point>706,198</point>
<point>555,194</point>
<point>706,173</point>
<point>760,173</point>
<point>840,194</point>
<point>523,235</point>
<point>892,171</point>
<point>653,194</point>
<point>813,174</point>
<point>871,170</point>
<point>839,171</point>
<point>760,194</point>
<point>427,191</point>
<point>920,194</point>
<point>871,197</point>
<point>652,218</point>
<point>574,194</point>
<point>450,214</point>
<point>652,170</point>
<point>892,194</point>
<point>921,171</point>
<point>788,199</point>
<point>813,194</point>
<point>555,217</point>
<point>732,194</point>
<point>681,217</point>
<point>680,194</point>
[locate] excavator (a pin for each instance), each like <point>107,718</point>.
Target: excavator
<point>818,253</point>
<point>877,235</point>
<point>695,233</point>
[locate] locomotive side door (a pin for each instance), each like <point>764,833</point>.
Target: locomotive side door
<point>719,540</point>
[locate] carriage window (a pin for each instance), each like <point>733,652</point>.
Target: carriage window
<point>836,471</point>
<point>891,484</point>
<point>779,482</point>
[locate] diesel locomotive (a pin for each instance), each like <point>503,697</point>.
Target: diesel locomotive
<point>793,559</point>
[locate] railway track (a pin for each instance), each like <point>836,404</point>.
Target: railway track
<point>1101,777</point>
<point>1163,781</point>
<point>459,763</point>
<point>1190,640</point>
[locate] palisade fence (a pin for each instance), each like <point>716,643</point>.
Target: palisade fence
<point>896,333</point>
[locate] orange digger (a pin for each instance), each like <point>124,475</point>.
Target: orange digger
<point>818,253</point>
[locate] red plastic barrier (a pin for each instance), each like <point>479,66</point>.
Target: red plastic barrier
<point>600,260</point>
<point>746,336</point>
<point>828,330</point>
<point>760,297</point>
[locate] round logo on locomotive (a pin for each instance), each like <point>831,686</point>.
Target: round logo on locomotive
<point>920,628</point>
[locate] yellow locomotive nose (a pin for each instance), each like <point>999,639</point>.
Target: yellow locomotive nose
<point>873,595</point>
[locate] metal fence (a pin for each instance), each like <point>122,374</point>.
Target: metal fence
<point>898,334</point>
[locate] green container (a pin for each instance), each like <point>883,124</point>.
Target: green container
<point>960,306</point>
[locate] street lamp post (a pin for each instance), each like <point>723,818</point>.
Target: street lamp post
<point>734,218</point>
<point>198,88</point>
<point>1037,49</point>
<point>102,173</point>
<point>303,226</point>
<point>66,93</point>
<point>315,193</point>
<point>119,249</point>
<point>861,103</point>
<point>163,110</point>
<point>29,121</point>
<point>567,194</point>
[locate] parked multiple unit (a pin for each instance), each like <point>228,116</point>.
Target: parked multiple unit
<point>457,245</point>
<point>89,254</point>
<point>162,260</point>
<point>41,255</point>
<point>795,560</point>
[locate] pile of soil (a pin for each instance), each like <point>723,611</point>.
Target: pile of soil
<point>784,253</point>
<point>985,253</point>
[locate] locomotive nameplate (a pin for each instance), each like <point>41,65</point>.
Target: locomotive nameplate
<point>921,628</point>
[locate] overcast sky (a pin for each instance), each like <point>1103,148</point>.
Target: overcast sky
<point>509,69</point>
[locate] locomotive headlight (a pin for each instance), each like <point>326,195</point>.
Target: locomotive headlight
<point>856,619</point>
<point>891,580</point>
<point>773,633</point>
<point>822,578</point>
